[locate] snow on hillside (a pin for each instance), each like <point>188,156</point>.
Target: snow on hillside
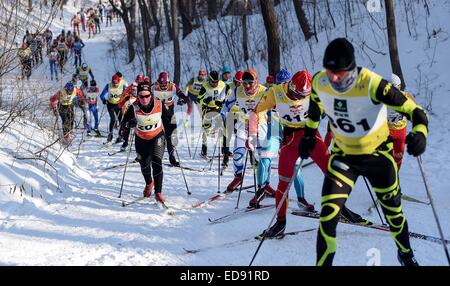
<point>75,217</point>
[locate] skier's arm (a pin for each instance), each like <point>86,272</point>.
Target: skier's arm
<point>54,99</point>
<point>381,91</point>
<point>129,115</point>
<point>201,95</point>
<point>180,93</point>
<point>229,102</point>
<point>266,103</point>
<point>104,92</point>
<point>190,82</point>
<point>315,110</point>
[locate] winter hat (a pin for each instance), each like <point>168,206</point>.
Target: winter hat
<point>250,74</point>
<point>283,76</point>
<point>339,55</point>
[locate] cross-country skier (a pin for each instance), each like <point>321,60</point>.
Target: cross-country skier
<point>113,90</point>
<point>146,117</point>
<point>355,100</point>
<point>165,90</point>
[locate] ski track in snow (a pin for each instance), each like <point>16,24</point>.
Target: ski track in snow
<point>86,224</point>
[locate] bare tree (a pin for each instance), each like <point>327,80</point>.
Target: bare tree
<point>128,14</point>
<point>302,19</point>
<point>168,21</point>
<point>183,6</point>
<point>154,12</point>
<point>176,43</point>
<point>273,36</point>
<point>145,20</point>
<point>212,9</point>
<point>392,38</point>
<point>245,32</point>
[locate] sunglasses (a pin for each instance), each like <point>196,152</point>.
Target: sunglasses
<point>144,94</point>
<point>248,82</point>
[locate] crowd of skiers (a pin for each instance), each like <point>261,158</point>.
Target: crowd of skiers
<point>67,44</point>
<point>278,118</point>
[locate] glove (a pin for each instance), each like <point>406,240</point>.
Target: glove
<point>416,143</point>
<point>207,100</point>
<point>181,101</point>
<point>104,101</point>
<point>251,142</point>
<point>55,111</point>
<point>131,124</point>
<point>307,144</point>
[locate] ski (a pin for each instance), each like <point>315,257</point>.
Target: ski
<point>260,236</point>
<point>234,243</point>
<point>120,165</point>
<point>238,212</point>
<point>115,152</point>
<point>139,199</point>
<point>184,168</point>
<point>372,225</point>
<point>217,197</point>
<point>411,199</point>
<point>169,210</point>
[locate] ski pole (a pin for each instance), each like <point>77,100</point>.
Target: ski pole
<point>297,168</point>
<point>214,153</point>
<point>218,170</point>
<point>182,172</point>
<point>243,177</point>
<point>126,162</point>
<point>373,200</point>
<point>422,171</point>
<point>198,141</point>
<point>253,162</point>
<point>187,139</point>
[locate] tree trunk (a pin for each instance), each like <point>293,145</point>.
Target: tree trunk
<point>30,6</point>
<point>168,21</point>
<point>154,11</point>
<point>129,28</point>
<point>244,31</point>
<point>212,9</point>
<point>146,35</point>
<point>392,37</point>
<point>185,17</point>
<point>176,43</point>
<point>273,36</point>
<point>302,20</point>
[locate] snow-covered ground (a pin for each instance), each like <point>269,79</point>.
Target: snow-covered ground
<point>69,213</point>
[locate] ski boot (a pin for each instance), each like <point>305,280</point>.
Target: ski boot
<point>269,191</point>
<point>159,197</point>
<point>406,259</point>
<point>352,217</point>
<point>118,140</point>
<point>148,190</point>
<point>109,139</point>
<point>204,153</point>
<point>276,230</point>
<point>304,205</point>
<point>88,133</point>
<point>173,161</point>
<point>97,132</point>
<point>259,196</point>
<point>234,184</point>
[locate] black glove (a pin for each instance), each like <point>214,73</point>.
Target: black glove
<point>207,100</point>
<point>104,101</point>
<point>131,124</point>
<point>416,143</point>
<point>307,144</point>
<point>181,101</point>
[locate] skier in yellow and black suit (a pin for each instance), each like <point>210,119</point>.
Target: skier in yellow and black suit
<point>211,98</point>
<point>355,101</point>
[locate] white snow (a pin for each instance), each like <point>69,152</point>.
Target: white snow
<point>70,213</point>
